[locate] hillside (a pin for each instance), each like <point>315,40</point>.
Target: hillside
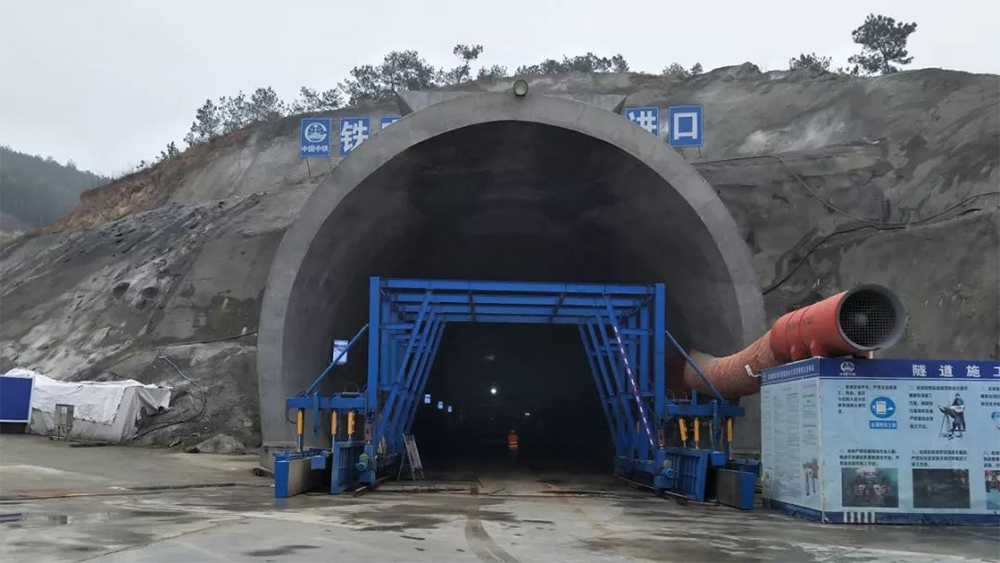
<point>829,179</point>
<point>35,191</point>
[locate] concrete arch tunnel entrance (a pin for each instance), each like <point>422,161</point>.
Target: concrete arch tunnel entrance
<point>495,187</point>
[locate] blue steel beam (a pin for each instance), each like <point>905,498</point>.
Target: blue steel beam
<point>515,319</point>
<point>659,351</point>
<point>529,300</point>
<point>543,311</point>
<point>647,385</point>
<point>374,343</point>
<point>517,287</point>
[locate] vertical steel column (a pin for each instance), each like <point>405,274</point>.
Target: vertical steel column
<point>659,350</point>
<point>647,385</point>
<point>374,345</point>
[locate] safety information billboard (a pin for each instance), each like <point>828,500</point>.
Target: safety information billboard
<point>883,441</point>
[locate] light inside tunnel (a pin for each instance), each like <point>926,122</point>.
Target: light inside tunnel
<point>518,201</point>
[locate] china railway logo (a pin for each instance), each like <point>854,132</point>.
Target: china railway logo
<point>847,367</point>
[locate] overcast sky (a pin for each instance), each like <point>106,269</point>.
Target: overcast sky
<point>107,83</point>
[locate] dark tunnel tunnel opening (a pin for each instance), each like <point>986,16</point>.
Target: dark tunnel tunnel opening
<point>513,201</point>
<point>543,390</point>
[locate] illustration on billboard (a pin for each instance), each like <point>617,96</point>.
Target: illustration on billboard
<point>941,488</point>
<point>992,489</point>
<point>811,475</point>
<point>953,420</point>
<point>869,486</point>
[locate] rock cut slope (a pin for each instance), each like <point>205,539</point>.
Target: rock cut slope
<point>832,181</point>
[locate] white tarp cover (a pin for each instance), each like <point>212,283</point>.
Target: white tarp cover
<point>102,411</point>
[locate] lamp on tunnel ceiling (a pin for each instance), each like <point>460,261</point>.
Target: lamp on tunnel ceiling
<point>520,87</point>
<point>493,390</point>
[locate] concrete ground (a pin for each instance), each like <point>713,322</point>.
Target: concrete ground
<point>60,503</point>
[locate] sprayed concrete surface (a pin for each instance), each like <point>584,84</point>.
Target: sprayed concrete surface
<point>59,504</point>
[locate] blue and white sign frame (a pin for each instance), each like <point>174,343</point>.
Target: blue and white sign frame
<point>686,126</point>
<point>646,117</point>
<point>353,132</point>
<point>314,137</point>
<point>387,120</point>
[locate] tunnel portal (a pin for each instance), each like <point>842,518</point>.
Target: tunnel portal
<point>491,186</point>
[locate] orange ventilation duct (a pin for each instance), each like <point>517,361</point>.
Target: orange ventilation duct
<point>866,318</point>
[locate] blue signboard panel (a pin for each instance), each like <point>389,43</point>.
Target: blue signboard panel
<point>648,118</point>
<point>15,398</point>
<point>314,137</point>
<point>883,441</point>
<point>686,126</point>
<point>353,132</point>
<point>387,120</point>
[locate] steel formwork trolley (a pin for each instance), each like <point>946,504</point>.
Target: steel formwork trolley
<point>658,439</point>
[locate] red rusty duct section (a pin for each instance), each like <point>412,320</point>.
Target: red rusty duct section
<point>867,318</point>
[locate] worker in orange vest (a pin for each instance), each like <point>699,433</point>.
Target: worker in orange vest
<point>512,446</point>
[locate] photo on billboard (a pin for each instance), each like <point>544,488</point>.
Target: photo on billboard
<point>941,488</point>
<point>869,486</point>
<point>992,489</point>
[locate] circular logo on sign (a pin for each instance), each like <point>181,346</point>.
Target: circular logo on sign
<point>315,132</point>
<point>882,407</point>
<point>847,367</point>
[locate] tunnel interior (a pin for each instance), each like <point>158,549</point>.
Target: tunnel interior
<point>516,201</point>
<point>533,379</point>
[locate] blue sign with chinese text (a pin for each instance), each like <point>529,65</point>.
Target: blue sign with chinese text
<point>686,126</point>
<point>648,118</point>
<point>353,132</point>
<point>387,120</point>
<point>314,137</point>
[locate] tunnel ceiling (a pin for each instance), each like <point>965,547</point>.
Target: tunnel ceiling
<point>489,186</point>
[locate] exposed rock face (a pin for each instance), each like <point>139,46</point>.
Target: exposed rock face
<point>832,181</point>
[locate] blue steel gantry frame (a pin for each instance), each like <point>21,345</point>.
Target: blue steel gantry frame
<point>624,335</point>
